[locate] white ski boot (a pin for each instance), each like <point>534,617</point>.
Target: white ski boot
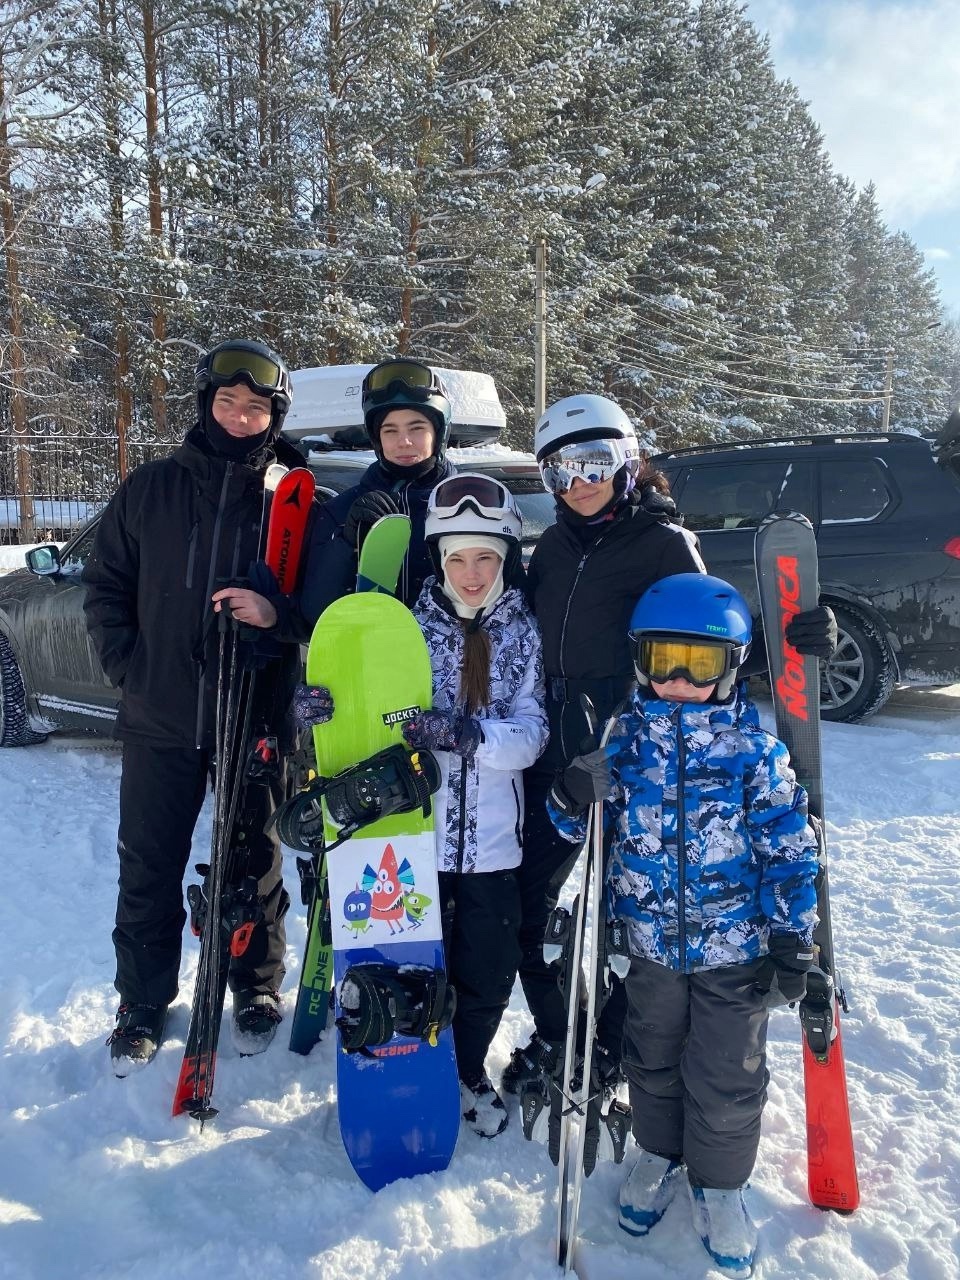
<point>647,1191</point>
<point>724,1226</point>
<point>482,1107</point>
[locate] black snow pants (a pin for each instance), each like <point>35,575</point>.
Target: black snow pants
<point>161,794</point>
<point>481,920</point>
<point>694,1054</point>
<point>547,862</point>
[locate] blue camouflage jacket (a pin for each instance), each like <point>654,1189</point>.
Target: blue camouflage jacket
<point>711,849</point>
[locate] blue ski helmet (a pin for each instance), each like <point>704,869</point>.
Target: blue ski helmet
<point>402,383</point>
<point>694,606</point>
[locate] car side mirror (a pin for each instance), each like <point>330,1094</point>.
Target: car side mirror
<point>44,560</point>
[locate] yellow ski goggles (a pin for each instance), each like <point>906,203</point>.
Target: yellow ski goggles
<point>702,662</point>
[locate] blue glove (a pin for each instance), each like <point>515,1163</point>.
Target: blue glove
<point>312,704</point>
<point>444,731</point>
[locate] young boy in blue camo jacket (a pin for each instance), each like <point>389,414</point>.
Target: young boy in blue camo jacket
<point>711,875</point>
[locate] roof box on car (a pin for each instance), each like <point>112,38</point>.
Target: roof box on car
<point>326,407</point>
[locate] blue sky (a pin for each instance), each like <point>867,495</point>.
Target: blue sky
<point>882,80</point>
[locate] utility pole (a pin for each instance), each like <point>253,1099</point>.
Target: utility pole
<point>887,391</point>
<point>540,330</point>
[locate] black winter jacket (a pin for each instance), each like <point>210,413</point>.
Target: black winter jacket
<point>175,531</point>
<point>584,581</point>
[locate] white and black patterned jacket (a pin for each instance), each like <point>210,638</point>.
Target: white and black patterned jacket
<point>479,805</point>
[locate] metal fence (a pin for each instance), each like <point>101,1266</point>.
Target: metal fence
<point>68,474</point>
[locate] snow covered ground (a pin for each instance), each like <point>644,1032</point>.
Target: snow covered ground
<point>97,1180</point>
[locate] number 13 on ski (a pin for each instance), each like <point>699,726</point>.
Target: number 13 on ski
<point>786,564</point>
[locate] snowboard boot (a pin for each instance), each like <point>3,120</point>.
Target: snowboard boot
<point>136,1038</point>
<point>482,1107</point>
<point>256,1016</point>
<point>724,1226</point>
<point>647,1191</point>
<point>536,1061</point>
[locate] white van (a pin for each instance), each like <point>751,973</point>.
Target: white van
<point>326,406</point>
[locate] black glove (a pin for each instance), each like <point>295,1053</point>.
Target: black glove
<point>444,731</point>
<point>312,704</point>
<point>364,514</point>
<point>584,781</point>
<point>788,960</point>
<point>814,631</point>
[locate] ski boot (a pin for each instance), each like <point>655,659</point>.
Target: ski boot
<point>647,1191</point>
<point>256,1016</point>
<point>136,1038</point>
<point>723,1224</point>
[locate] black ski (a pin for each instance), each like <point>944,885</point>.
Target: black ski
<point>786,564</point>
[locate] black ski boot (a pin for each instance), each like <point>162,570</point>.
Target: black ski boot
<point>532,1065</point>
<point>256,1016</point>
<point>136,1038</point>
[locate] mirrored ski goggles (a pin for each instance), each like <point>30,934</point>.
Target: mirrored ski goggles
<point>702,662</point>
<point>592,461</point>
<point>417,377</point>
<point>487,497</point>
<point>264,373</point>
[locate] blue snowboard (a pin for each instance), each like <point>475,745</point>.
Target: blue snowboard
<point>399,1104</point>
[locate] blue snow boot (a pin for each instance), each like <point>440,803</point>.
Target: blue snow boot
<point>724,1226</point>
<point>647,1191</point>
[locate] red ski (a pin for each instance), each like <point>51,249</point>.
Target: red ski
<point>786,562</point>
<point>224,912</point>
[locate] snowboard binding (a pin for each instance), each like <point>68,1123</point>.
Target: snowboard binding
<point>394,780</point>
<point>379,1001</point>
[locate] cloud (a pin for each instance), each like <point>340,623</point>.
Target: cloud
<point>938,255</point>
<point>882,82</point>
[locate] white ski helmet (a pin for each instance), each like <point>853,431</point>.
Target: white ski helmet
<point>473,503</point>
<point>580,419</point>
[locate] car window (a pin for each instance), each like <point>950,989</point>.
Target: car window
<point>73,562</point>
<point>734,496</point>
<point>538,511</point>
<point>853,489</point>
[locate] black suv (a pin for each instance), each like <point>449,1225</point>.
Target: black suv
<point>886,509</point>
<point>50,675</point>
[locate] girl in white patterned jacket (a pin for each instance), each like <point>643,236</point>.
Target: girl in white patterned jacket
<point>487,725</point>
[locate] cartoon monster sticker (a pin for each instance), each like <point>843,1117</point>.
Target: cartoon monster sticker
<point>356,911</point>
<point>416,906</point>
<point>387,886</point>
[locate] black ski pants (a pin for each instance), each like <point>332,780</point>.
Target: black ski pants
<point>694,1054</point>
<point>547,862</point>
<point>481,920</point>
<point>161,793</point>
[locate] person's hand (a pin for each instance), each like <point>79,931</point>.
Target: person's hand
<point>586,780</point>
<point>444,731</point>
<point>813,632</point>
<point>312,705</point>
<point>246,606</point>
<point>789,960</point>
<point>364,514</point>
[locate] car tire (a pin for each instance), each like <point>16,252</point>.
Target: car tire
<point>15,728</point>
<point>858,679</point>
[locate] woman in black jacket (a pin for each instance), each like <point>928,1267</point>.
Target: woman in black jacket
<point>175,531</point>
<point>615,535</point>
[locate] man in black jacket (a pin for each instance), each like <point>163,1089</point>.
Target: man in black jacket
<point>170,546</point>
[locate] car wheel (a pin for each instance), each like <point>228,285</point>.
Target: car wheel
<point>859,678</point>
<point>15,728</point>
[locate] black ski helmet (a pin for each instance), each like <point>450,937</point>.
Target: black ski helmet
<point>242,360</point>
<point>402,383</point>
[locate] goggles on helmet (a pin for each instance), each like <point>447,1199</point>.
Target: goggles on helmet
<point>265,374</point>
<point>593,461</point>
<point>413,375</point>
<point>702,662</point>
<point>487,497</point>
